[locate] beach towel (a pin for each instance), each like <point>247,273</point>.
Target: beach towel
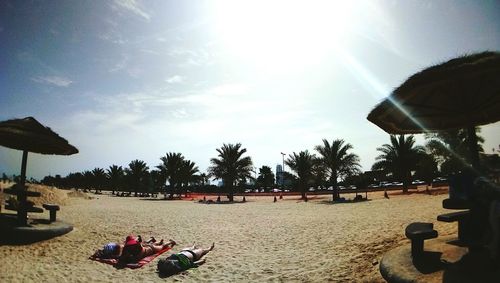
<point>132,265</point>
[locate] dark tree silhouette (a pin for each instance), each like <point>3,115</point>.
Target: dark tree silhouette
<point>115,175</point>
<point>338,162</point>
<point>137,174</point>
<point>302,164</point>
<point>187,173</point>
<point>451,150</point>
<point>231,166</point>
<point>266,177</point>
<point>171,167</point>
<point>98,179</point>
<point>88,180</point>
<point>426,168</point>
<point>399,158</point>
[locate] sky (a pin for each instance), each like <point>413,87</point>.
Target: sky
<point>129,79</point>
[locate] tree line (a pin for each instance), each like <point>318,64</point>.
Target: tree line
<point>333,163</point>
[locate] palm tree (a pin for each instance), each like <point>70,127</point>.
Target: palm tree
<point>88,180</point>
<point>231,166</point>
<point>203,179</point>
<point>158,179</point>
<point>187,173</point>
<point>75,180</point>
<point>399,158</point>
<point>451,149</point>
<point>302,164</point>
<point>266,176</point>
<point>115,175</point>
<point>426,169</point>
<point>171,168</point>
<point>337,161</point>
<point>99,179</point>
<point>137,172</point>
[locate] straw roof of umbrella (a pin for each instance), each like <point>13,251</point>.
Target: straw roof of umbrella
<point>28,134</point>
<point>462,92</point>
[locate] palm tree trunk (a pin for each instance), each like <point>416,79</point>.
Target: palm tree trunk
<point>303,191</point>
<point>405,186</point>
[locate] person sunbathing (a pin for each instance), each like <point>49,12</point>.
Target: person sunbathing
<point>134,249</point>
<point>109,251</point>
<point>183,260</point>
<point>114,250</point>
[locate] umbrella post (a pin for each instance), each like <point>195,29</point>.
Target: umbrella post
<point>21,197</point>
<point>473,148</point>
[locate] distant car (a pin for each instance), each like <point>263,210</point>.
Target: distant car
<point>342,188</point>
<point>418,182</point>
<point>248,190</point>
<point>352,187</point>
<point>373,186</point>
<point>261,190</point>
<point>330,188</point>
<point>276,190</point>
<point>286,191</point>
<point>256,190</point>
<point>439,180</point>
<point>311,189</point>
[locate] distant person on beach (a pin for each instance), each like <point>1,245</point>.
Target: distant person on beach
<point>183,260</point>
<point>134,249</point>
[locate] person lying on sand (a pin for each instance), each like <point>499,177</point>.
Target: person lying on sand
<point>114,250</point>
<point>134,249</point>
<point>183,260</point>
<point>108,251</point>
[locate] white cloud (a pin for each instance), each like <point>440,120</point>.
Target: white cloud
<point>175,79</point>
<point>134,7</point>
<point>113,37</point>
<point>191,58</point>
<point>53,80</point>
<point>120,65</point>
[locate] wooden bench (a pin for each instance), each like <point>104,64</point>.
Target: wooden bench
<point>418,232</point>
<point>28,206</point>
<point>52,208</point>
<point>462,217</point>
<point>24,193</point>
<point>28,209</point>
<point>456,204</point>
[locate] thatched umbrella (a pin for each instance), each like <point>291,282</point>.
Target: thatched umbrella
<point>29,135</point>
<point>461,93</point>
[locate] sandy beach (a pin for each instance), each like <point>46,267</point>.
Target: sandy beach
<point>256,241</point>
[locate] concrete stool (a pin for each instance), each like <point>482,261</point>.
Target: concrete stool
<point>52,208</point>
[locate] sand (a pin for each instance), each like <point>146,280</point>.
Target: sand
<point>256,241</point>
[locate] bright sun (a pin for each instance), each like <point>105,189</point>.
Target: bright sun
<point>278,36</point>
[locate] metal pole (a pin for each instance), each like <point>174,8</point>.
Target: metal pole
<point>283,170</point>
<point>473,148</point>
<point>22,214</point>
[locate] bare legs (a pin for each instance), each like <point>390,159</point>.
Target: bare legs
<point>156,247</point>
<point>199,252</point>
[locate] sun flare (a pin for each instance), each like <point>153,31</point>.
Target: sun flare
<point>282,35</point>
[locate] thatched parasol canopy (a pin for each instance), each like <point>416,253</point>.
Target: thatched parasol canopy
<point>29,135</point>
<point>461,93</point>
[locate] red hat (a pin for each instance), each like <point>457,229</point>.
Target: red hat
<point>130,241</point>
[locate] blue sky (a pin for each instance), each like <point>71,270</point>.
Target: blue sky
<point>125,79</point>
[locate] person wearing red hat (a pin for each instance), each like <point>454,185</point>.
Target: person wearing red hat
<point>134,249</point>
